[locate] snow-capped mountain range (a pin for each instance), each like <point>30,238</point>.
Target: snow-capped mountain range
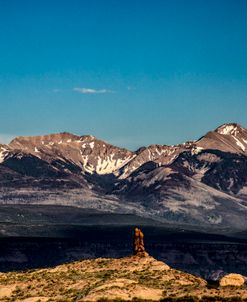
<point>202,182</point>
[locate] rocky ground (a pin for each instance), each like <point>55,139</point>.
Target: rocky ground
<point>134,277</point>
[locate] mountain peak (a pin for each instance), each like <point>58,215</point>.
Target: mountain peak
<point>230,129</point>
<point>42,139</point>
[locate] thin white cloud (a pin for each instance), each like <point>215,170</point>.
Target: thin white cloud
<point>91,90</point>
<point>56,90</point>
<point>131,88</point>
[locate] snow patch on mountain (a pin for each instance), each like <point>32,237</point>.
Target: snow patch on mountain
<point>88,145</point>
<point>109,165</point>
<point>196,150</point>
<point>239,143</point>
<point>106,165</point>
<point>228,129</point>
<point>3,154</point>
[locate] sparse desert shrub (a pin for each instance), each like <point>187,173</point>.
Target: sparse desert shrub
<point>180,299</point>
<point>121,300</point>
<point>209,299</point>
<point>110,300</point>
<point>233,299</point>
<point>104,275</point>
<point>221,299</point>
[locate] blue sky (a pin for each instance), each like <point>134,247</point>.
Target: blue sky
<point>131,72</point>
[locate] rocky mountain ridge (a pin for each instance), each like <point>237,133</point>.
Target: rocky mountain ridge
<point>203,181</point>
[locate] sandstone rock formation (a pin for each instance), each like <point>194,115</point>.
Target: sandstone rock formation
<point>232,280</point>
<point>107,278</point>
<point>103,278</point>
<point>138,246</point>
